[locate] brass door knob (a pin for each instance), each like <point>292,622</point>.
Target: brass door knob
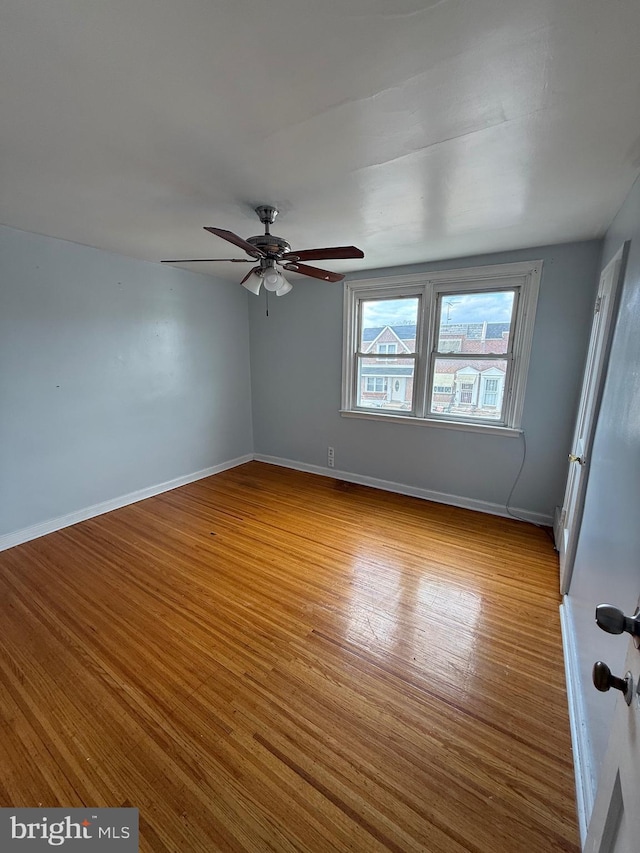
<point>579,459</point>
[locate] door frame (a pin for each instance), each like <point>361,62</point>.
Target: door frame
<point>595,372</point>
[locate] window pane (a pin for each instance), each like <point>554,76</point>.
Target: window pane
<point>469,388</point>
<point>475,322</point>
<point>388,325</point>
<point>386,384</point>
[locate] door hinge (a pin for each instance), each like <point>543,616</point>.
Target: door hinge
<point>596,308</point>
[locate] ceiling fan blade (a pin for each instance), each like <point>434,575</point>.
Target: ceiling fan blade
<point>237,241</point>
<point>314,272</point>
<point>208,261</point>
<point>249,274</point>
<point>332,253</point>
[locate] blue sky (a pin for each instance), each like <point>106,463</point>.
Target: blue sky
<point>457,308</point>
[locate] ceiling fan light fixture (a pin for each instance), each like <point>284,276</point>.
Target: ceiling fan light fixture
<point>284,288</point>
<point>253,283</point>
<point>272,280</point>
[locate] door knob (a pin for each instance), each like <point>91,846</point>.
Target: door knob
<point>603,681</point>
<point>612,620</point>
<point>574,458</point>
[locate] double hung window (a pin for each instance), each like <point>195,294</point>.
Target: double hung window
<point>448,348</point>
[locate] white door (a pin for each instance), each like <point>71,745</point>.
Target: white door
<point>615,820</point>
<point>571,514</point>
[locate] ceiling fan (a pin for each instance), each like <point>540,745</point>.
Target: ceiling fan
<point>269,251</point>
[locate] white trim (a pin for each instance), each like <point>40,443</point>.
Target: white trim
<point>492,271</point>
<point>486,428</point>
<point>523,315</point>
<point>593,382</point>
<point>412,491</point>
<point>26,534</point>
<point>9,540</point>
<point>582,751</point>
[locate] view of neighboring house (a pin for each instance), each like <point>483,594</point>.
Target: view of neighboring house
<point>388,383</point>
<point>459,386</point>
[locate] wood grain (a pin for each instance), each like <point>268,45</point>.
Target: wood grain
<point>269,660</point>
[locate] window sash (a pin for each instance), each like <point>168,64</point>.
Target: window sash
<point>439,295</point>
<point>378,297</point>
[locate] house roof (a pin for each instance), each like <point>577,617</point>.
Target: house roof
<point>473,331</point>
<point>404,331</point>
<point>369,370</point>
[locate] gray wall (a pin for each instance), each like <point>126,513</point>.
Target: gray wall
<point>607,565</point>
<point>296,356</point>
<point>115,375</point>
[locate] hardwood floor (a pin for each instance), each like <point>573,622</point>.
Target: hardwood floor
<point>270,660</point>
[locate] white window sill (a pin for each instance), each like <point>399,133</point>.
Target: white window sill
<point>487,429</point>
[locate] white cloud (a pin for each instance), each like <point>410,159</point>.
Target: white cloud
<point>477,307</point>
<point>493,307</point>
<point>389,312</point>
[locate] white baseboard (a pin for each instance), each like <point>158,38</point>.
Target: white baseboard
<point>582,751</point>
<point>412,491</point>
<point>26,534</point>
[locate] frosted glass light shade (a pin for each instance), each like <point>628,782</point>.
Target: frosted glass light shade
<point>284,288</point>
<point>253,283</point>
<point>272,280</point>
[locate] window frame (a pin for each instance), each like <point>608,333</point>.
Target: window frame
<point>431,288</point>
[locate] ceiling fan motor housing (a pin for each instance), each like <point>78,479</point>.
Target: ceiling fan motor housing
<point>270,244</point>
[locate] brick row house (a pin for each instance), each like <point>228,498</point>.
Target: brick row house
<point>470,386</point>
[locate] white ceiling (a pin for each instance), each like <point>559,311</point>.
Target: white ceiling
<point>414,129</point>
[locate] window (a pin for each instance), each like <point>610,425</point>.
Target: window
<point>449,344</point>
<point>463,352</point>
<point>491,392</point>
<point>376,384</point>
<point>378,368</point>
<point>466,392</point>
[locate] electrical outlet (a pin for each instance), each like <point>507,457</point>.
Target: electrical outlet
<point>330,457</point>
<point>331,462</point>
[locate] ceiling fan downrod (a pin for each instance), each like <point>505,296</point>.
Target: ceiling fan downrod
<point>267,215</point>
